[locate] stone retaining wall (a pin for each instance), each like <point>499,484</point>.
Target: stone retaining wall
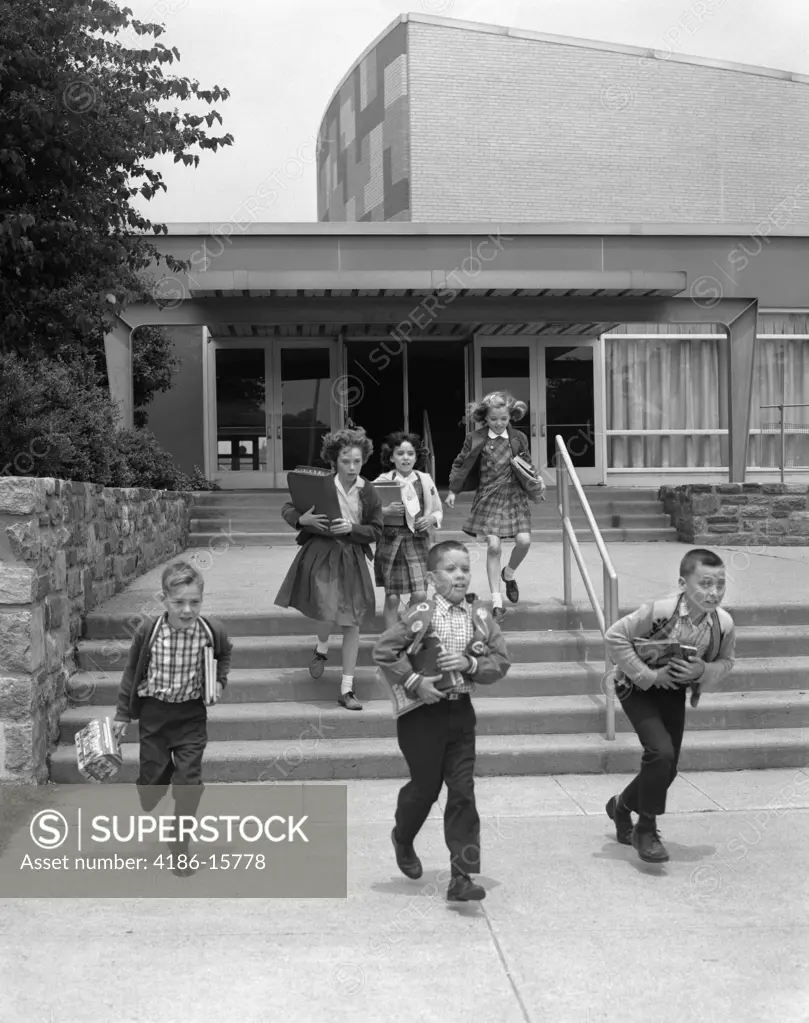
<point>64,548</point>
<point>736,514</point>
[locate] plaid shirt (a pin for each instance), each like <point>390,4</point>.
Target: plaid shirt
<point>452,624</point>
<point>685,631</point>
<point>176,665</point>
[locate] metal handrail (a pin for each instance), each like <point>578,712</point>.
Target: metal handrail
<point>781,408</point>
<point>427,437</point>
<point>564,474</point>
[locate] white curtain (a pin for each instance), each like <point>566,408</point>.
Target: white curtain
<point>659,384</point>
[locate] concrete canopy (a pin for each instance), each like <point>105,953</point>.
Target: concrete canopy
<point>423,282</point>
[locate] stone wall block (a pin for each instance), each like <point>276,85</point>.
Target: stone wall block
<point>18,583</point>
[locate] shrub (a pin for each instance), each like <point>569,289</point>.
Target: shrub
<point>57,419</point>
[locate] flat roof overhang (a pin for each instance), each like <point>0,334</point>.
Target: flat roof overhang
<point>436,303</point>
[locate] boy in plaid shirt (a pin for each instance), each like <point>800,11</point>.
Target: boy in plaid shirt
<point>437,734</point>
<point>163,688</point>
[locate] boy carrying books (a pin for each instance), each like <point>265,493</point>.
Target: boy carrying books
<point>435,719</point>
<point>661,650</point>
<point>163,687</point>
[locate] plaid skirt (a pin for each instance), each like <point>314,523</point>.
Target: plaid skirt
<point>400,563</point>
<point>499,510</point>
<point>330,582</point>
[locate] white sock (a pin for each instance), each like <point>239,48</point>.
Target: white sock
<point>322,648</point>
<point>347,685</point>
<point>508,573</point>
<point>497,600</point>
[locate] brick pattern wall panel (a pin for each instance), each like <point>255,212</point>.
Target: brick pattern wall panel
<point>364,138</point>
<point>519,129</point>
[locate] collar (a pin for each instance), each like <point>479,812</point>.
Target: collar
<point>446,606</point>
<point>494,436</point>
<point>686,613</point>
<point>358,485</point>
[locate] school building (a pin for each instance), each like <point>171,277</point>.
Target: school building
<point>618,236</point>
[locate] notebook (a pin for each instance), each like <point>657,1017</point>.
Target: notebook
<point>210,677</point>
<point>312,486</point>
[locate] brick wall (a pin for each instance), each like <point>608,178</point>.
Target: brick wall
<point>504,128</point>
<point>64,548</point>
<point>740,514</point>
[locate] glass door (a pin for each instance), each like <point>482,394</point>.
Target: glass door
<point>304,405</point>
<point>562,386</point>
<point>238,378</point>
<point>569,379</point>
<point>510,364</point>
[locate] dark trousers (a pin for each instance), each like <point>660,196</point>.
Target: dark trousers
<point>658,717</point>
<point>438,743</point>
<point>173,737</point>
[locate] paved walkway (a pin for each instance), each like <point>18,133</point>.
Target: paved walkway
<point>248,578</point>
<point>575,929</point>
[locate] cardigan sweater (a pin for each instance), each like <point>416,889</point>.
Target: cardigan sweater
<point>129,703</point>
<point>465,472</point>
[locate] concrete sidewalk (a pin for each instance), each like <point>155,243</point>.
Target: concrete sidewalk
<point>575,928</point>
<point>238,580</point>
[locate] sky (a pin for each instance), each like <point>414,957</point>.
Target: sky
<point>282,60</point>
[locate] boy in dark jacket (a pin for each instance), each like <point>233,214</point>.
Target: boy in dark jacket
<point>163,687</point>
<point>437,734</point>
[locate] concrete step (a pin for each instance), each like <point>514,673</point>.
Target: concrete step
<point>319,722</point>
<point>100,624</point>
<point>596,496</point>
<point>279,760</point>
<point>296,651</point>
<point>226,538</point>
<point>268,522</point>
<point>566,678</point>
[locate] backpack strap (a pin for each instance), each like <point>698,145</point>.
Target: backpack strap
<point>155,627</point>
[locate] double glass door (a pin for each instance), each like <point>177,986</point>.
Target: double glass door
<point>270,403</point>
<point>560,380</point>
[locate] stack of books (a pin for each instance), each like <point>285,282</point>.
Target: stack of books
<point>98,753</point>
<point>528,478</point>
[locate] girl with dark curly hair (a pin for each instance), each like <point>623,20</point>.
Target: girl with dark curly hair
<point>400,564</point>
<point>329,580</point>
<point>500,506</point>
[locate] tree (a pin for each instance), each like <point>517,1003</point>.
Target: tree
<point>83,109</point>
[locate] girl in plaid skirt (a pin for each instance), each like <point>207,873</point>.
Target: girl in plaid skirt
<point>500,506</point>
<point>400,564</point>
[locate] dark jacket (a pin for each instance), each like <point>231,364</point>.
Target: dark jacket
<point>465,472</point>
<point>369,531</point>
<point>129,703</point>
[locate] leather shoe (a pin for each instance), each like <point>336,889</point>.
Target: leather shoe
<point>464,889</point>
<point>512,590</point>
<point>649,847</point>
<point>498,613</point>
<point>349,701</point>
<point>317,664</point>
<point>406,859</point>
<point>622,820</point>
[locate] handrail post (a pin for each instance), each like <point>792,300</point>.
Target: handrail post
<point>563,495</point>
<point>610,617</point>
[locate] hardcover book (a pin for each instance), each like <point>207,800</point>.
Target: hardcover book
<point>309,486</point>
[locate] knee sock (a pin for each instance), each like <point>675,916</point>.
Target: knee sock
<point>497,600</point>
<point>322,648</point>
<point>508,573</point>
<point>347,684</point>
